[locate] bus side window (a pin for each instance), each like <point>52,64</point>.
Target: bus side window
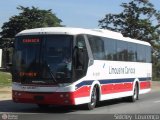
<point>97,47</point>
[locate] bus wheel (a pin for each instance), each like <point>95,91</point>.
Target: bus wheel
<point>92,103</point>
<point>135,95</point>
<point>43,106</point>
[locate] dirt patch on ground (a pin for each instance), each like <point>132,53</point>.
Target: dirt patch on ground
<point>5,93</point>
<point>6,96</point>
<point>5,89</point>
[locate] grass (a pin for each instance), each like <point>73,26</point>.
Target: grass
<point>156,79</point>
<point>5,79</point>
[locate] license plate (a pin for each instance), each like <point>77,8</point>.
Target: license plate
<point>39,98</point>
<point>29,87</point>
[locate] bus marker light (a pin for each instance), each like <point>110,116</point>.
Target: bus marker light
<point>67,95</point>
<point>66,101</point>
<point>61,95</point>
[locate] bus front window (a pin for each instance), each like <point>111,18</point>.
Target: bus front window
<point>59,56</point>
<point>37,59</point>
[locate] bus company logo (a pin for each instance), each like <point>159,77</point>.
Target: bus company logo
<point>4,116</point>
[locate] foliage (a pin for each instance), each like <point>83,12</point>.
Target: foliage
<point>28,18</point>
<point>139,20</point>
<point>5,79</point>
<point>135,21</point>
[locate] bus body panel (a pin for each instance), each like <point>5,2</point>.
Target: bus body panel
<point>114,79</point>
<point>111,84</point>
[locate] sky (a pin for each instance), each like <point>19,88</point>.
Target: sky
<point>73,13</point>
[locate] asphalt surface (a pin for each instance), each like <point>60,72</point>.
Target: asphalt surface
<point>147,104</point>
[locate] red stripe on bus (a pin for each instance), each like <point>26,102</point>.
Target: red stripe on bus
<point>145,84</point>
<point>82,92</point>
<point>115,88</point>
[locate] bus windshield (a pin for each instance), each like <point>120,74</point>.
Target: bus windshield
<point>43,59</point>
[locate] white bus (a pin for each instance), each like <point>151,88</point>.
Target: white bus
<point>73,66</point>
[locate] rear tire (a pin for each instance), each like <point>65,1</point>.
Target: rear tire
<point>135,95</point>
<point>92,104</point>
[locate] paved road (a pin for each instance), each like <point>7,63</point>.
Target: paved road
<point>147,104</point>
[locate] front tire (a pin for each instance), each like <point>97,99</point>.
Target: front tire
<point>92,104</point>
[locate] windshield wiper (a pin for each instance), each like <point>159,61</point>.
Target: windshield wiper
<point>51,73</point>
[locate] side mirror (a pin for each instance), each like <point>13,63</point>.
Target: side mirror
<point>9,67</point>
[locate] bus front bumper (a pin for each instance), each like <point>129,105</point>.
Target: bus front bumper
<point>52,98</point>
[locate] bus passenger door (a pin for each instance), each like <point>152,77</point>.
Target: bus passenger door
<point>80,58</point>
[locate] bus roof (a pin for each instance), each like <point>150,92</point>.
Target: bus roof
<point>76,31</point>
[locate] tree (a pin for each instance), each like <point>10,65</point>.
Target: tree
<point>140,20</point>
<point>28,18</point>
<point>135,21</point>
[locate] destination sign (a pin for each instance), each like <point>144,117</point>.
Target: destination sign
<point>33,40</point>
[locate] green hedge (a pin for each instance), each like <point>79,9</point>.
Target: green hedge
<point>5,79</point>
